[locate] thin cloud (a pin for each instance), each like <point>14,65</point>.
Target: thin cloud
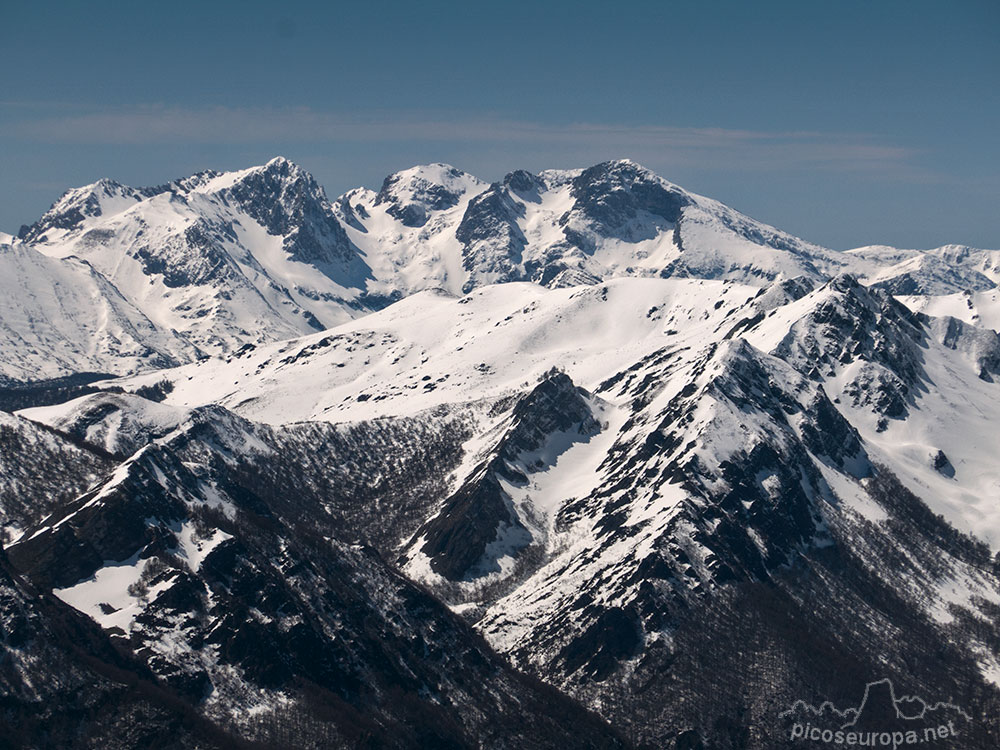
<point>704,147</point>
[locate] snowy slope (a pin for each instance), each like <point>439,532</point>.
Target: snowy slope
<point>59,316</point>
<point>432,349</point>
<point>979,308</point>
<point>119,423</point>
<point>943,270</point>
<point>224,260</point>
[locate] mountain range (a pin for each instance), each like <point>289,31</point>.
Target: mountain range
<point>118,279</point>
<point>572,457</point>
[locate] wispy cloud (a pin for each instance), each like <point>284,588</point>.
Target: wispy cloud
<point>705,147</point>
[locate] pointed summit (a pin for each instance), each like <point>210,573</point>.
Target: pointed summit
<point>281,162</point>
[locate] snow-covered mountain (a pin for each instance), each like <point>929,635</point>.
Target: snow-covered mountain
<point>562,228</point>
<point>673,463</point>
<point>208,264</point>
<point>61,316</point>
<point>609,462</point>
<point>221,259</point>
<point>941,271</point>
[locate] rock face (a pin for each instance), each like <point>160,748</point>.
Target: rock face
<point>492,240</point>
<point>481,513</point>
<point>286,200</point>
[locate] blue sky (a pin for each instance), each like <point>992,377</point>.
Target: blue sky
<point>846,122</point>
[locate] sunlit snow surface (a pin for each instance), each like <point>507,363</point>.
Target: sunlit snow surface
<point>433,349</point>
<point>105,596</point>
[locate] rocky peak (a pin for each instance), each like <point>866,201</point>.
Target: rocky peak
<point>75,206</point>
<point>783,292</point>
<point>851,322</point>
<point>613,192</point>
<point>610,197</point>
<point>278,195</point>
<point>287,201</point>
<point>411,195</point>
<point>521,181</point>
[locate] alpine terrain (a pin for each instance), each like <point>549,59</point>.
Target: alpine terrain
<point>572,459</point>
